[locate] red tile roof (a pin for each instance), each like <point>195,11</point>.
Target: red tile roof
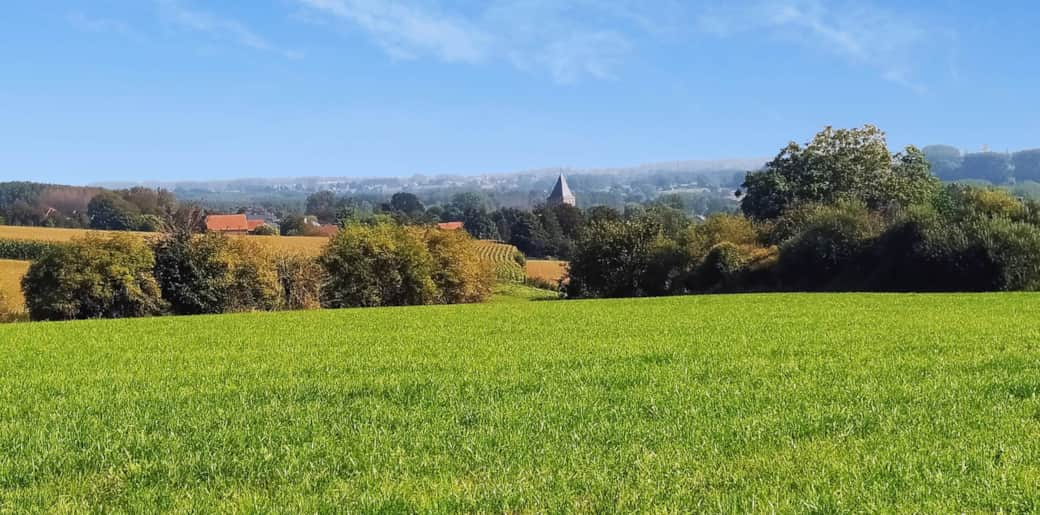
<point>328,230</point>
<point>227,223</point>
<point>450,226</point>
<point>253,224</point>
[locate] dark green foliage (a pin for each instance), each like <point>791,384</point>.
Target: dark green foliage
<point>720,267</point>
<point>625,259</point>
<point>212,273</point>
<point>380,265</point>
<point>93,277</point>
<point>479,224</point>
<point>323,205</point>
<point>829,249</point>
<point>838,165</point>
<point>25,250</point>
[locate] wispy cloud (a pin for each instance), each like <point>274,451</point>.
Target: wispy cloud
<point>575,39</point>
<point>567,39</point>
<point>861,32</point>
<point>88,23</point>
<point>177,13</point>
<point>407,31</point>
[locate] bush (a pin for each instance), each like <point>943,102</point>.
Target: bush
<point>265,230</point>
<point>93,277</point>
<point>720,228</point>
<point>830,247</point>
<point>626,258</point>
<point>731,267</point>
<point>212,273</point>
<point>459,272</point>
<point>25,250</point>
<point>378,265</point>
<point>301,278</point>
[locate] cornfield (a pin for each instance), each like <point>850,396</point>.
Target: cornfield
<point>507,259</point>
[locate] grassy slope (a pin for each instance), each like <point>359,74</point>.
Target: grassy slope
<point>735,403</point>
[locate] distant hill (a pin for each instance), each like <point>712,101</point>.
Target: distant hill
<point>315,183</point>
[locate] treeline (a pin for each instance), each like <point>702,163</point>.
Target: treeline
<point>50,205</point>
<point>186,273</point>
<point>545,231</point>
<point>840,213</point>
<point>949,164</point>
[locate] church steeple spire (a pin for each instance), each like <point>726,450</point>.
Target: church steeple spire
<point>561,194</point>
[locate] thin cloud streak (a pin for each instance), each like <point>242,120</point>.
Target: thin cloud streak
<point>860,32</point>
<point>174,12</point>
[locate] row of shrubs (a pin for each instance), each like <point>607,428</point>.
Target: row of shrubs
<point>962,239</point>
<point>25,250</point>
<point>186,274</point>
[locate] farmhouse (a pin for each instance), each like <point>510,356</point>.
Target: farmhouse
<point>561,194</point>
<point>450,226</point>
<point>229,224</point>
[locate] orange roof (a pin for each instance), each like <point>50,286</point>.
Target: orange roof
<point>227,223</point>
<point>253,224</point>
<point>450,226</point>
<point>328,230</point>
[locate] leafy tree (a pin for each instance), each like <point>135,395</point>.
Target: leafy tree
<point>478,223</point>
<point>601,214</point>
<point>830,249</point>
<point>212,273</point>
<point>108,211</point>
<point>293,225</point>
<point>406,203</point>
<point>323,205</point>
<point>717,229</point>
<point>1027,165</point>
<point>623,259</point>
<point>528,236</point>
<point>459,272</point>
<point>380,265</point>
<point>93,277</point>
<point>838,164</point>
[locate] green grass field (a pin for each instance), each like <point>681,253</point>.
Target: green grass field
<point>825,403</point>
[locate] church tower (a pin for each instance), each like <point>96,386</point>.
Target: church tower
<point>561,194</point>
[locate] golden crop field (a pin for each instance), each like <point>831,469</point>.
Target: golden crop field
<point>11,273</point>
<point>506,259</point>
<point>299,244</point>
<point>546,270</point>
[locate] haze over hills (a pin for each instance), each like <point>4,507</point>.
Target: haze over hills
<point>716,169</point>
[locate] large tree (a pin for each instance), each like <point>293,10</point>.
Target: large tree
<point>838,164</point>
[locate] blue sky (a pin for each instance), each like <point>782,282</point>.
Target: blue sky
<point>194,89</point>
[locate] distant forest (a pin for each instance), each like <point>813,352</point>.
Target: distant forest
<point>699,189</point>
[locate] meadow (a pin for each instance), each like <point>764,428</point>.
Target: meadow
<point>807,402</point>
